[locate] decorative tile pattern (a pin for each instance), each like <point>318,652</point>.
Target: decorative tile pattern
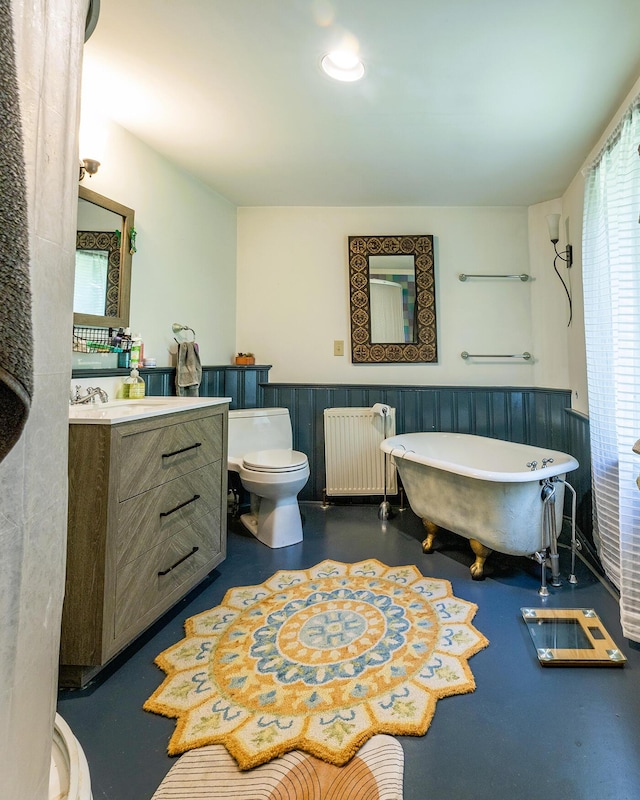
<point>422,345</point>
<point>318,660</point>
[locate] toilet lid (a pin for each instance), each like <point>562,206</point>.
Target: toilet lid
<point>275,460</point>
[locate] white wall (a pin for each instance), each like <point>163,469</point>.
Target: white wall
<point>549,302</point>
<point>571,226</point>
<point>293,294</point>
<point>185,267</point>
<point>572,209</point>
<point>291,298</point>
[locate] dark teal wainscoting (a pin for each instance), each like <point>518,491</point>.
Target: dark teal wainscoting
<point>242,384</point>
<point>531,416</point>
<point>540,417</point>
<point>579,446</point>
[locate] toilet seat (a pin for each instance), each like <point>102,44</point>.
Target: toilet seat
<point>274,461</point>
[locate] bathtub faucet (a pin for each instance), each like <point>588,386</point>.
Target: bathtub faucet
<point>533,465</point>
<point>548,490</point>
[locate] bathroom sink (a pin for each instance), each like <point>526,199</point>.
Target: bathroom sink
<point>116,411</point>
<point>138,405</point>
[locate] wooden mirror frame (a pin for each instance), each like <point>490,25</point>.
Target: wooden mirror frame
<point>424,349</point>
<point>119,285</point>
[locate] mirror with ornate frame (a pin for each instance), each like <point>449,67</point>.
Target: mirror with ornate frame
<point>392,294</point>
<point>103,261</point>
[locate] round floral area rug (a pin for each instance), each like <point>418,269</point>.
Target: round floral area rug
<point>318,660</point>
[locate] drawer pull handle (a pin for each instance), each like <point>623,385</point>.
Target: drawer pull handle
<point>182,505</point>
<point>178,562</point>
<point>182,450</point>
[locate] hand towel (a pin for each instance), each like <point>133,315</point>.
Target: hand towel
<point>188,370</point>
<point>16,339</point>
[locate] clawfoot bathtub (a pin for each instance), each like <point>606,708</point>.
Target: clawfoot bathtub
<point>487,490</point>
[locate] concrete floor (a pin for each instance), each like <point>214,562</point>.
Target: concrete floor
<point>527,731</point>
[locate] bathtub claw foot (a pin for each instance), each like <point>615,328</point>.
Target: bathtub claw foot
<point>481,553</point>
<point>431,529</point>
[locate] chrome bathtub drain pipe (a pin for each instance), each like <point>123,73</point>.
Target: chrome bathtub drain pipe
<point>541,558</point>
<point>384,512</point>
<point>549,526</point>
<point>549,555</point>
<point>554,556</point>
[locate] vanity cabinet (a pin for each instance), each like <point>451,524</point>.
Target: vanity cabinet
<point>147,522</point>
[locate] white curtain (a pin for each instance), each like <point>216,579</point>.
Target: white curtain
<point>33,500</point>
<point>611,275</point>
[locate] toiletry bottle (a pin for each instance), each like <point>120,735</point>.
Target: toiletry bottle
<point>116,340</point>
<point>134,386</point>
<point>124,358</point>
<point>136,351</point>
<point>126,385</point>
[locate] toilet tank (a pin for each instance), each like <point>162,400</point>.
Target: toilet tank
<point>253,429</point>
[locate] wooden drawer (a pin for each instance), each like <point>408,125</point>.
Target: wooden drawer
<point>150,458</point>
<point>150,518</point>
<point>139,586</point>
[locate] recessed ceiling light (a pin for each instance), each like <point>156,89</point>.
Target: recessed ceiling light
<point>343,65</point>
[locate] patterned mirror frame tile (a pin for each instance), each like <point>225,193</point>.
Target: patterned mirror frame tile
<point>109,242</point>
<point>363,350</point>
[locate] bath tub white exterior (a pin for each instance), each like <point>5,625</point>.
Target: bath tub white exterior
<point>479,487</point>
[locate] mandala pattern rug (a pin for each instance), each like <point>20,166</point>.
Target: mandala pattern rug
<point>317,660</point>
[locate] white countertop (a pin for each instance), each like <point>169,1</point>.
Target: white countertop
<point>116,411</point>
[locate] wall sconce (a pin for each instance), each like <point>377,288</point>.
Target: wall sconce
<point>553,223</point>
<point>566,255</point>
<point>88,166</point>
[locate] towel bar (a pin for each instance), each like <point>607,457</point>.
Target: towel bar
<point>179,331</point>
<point>463,276</point>
<point>524,355</point>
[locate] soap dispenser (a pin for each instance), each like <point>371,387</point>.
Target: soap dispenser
<point>134,386</point>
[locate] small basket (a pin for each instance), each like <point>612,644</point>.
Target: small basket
<point>92,340</point>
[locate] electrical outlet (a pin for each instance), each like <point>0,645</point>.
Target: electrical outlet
<point>338,347</point>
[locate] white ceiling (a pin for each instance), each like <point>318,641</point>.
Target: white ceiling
<point>464,102</point>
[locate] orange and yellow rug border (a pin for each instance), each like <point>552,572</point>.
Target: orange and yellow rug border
<point>317,660</point>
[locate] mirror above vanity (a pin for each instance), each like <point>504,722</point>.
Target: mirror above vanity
<point>392,294</point>
<point>103,261</point>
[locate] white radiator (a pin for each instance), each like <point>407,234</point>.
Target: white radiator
<point>353,459</point>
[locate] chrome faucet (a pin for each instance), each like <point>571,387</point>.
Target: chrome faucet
<point>78,399</point>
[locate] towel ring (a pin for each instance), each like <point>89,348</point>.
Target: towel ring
<point>179,330</point>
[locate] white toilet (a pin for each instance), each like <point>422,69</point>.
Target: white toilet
<point>260,451</point>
